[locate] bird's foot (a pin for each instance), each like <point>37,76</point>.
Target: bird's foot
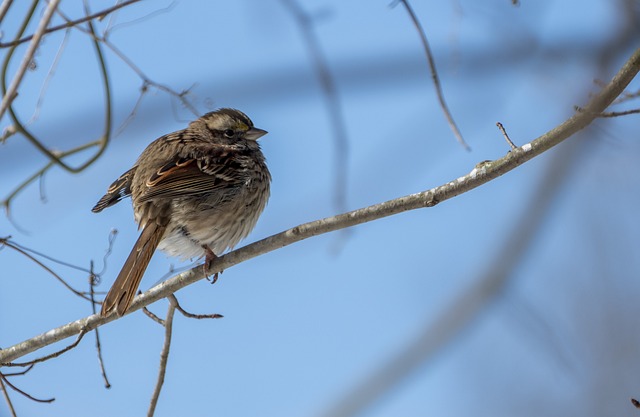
<point>209,258</point>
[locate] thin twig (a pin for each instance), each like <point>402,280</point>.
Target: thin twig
<point>132,114</point>
<point>185,313</point>
<point>428,198</point>
<point>164,357</point>
<point>506,137</point>
<point>151,315</point>
<point>11,245</point>
<point>81,334</point>
<point>50,73</point>
<point>113,233</point>
<point>12,91</point>
<point>70,23</point>
<point>48,257</point>
<point>23,393</point>
<point>434,76</point>
<point>619,113</point>
<point>103,371</point>
<point>610,114</point>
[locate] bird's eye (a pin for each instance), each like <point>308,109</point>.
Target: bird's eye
<point>229,133</point>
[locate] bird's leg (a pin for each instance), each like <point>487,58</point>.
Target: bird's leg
<point>209,257</point>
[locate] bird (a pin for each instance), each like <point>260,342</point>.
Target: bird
<point>195,192</point>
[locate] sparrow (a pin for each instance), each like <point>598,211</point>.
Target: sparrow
<point>195,192</point>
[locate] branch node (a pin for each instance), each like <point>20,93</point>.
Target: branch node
<point>431,200</point>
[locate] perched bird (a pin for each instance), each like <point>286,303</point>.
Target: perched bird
<point>195,192</point>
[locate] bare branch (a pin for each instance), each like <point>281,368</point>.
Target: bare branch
<point>92,283</point>
<point>429,198</point>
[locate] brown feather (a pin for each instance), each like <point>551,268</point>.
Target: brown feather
<point>120,189</point>
<point>183,177</point>
<point>124,288</point>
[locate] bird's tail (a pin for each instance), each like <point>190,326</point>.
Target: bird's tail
<point>124,288</point>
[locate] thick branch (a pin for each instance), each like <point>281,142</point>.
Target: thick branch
<point>480,175</point>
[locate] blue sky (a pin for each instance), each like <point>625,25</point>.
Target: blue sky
<point>307,324</point>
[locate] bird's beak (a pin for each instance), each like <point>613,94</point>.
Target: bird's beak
<point>254,133</point>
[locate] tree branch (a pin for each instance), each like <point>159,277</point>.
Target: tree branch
<point>482,174</point>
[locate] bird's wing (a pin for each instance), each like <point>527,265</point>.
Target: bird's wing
<point>120,189</point>
<point>190,177</point>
